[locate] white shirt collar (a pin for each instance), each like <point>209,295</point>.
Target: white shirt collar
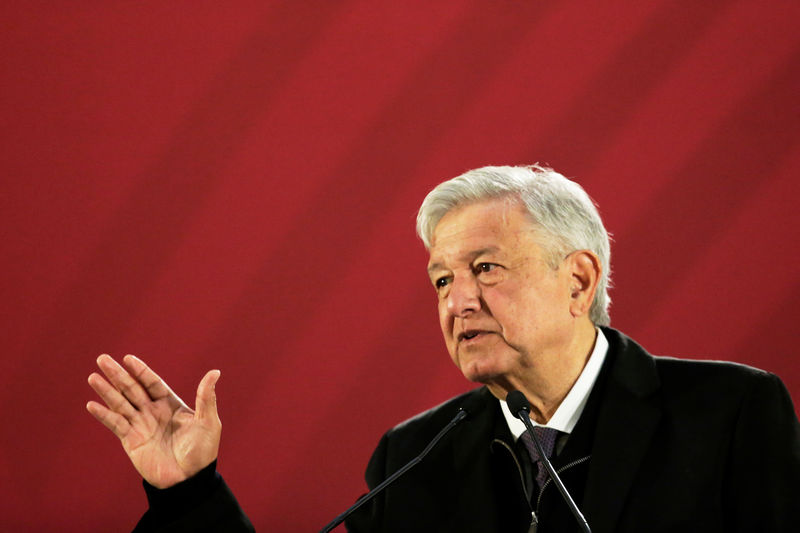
<point>568,413</point>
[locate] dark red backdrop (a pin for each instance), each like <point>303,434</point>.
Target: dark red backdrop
<point>236,186</point>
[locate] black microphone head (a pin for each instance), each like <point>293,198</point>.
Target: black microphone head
<point>471,405</point>
<point>517,402</point>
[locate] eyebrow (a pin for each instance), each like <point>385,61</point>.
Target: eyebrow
<point>473,254</point>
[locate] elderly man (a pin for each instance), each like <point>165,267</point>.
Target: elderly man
<point>519,260</point>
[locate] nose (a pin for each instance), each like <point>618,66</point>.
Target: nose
<point>464,297</point>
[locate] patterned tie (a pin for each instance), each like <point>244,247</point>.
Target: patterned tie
<point>547,438</point>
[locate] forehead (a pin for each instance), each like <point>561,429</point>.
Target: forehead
<point>500,225</point>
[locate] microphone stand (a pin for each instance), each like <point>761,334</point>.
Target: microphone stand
<point>522,413</point>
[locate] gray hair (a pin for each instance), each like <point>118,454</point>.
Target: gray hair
<point>557,206</point>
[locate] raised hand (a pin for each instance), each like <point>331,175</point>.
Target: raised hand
<point>166,440</point>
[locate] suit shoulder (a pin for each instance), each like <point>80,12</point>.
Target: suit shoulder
<point>705,370</point>
<point>705,382</point>
<point>718,386</point>
<point>684,368</point>
<point>424,425</point>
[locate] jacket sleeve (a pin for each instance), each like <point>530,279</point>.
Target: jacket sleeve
<point>199,504</point>
<point>764,474</point>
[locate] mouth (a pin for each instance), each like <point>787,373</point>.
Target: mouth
<point>471,334</point>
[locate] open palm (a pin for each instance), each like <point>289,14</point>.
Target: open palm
<point>166,440</point>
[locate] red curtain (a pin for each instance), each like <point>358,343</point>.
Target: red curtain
<point>235,187</point>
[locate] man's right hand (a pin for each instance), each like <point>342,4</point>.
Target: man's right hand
<point>167,441</point>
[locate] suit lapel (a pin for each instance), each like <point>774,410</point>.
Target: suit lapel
<point>627,420</point>
<point>484,488</point>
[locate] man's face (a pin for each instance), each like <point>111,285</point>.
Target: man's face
<point>501,307</point>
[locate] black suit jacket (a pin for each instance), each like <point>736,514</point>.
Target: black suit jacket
<point>675,445</point>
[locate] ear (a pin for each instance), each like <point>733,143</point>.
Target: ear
<point>584,274</point>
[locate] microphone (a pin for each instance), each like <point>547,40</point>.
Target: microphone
<point>520,408</point>
<point>462,413</point>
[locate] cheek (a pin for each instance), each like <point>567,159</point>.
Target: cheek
<point>445,319</point>
<point>514,311</point>
<point>501,304</point>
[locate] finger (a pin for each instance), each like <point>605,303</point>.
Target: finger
<point>206,402</point>
<point>155,387</point>
<point>117,423</point>
<point>112,397</point>
<point>123,381</point>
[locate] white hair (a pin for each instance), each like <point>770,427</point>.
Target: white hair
<point>558,207</point>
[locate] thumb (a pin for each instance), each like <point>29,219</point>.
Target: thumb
<point>206,402</point>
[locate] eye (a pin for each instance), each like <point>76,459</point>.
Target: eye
<point>441,282</point>
<point>485,267</point>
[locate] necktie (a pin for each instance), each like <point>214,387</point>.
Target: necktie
<point>547,438</point>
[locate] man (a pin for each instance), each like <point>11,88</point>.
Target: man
<point>519,260</point>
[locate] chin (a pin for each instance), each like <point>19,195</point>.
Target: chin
<point>486,366</point>
<point>480,372</point>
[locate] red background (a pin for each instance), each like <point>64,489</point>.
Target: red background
<point>236,186</point>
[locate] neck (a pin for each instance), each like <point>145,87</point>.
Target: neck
<point>546,383</point>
